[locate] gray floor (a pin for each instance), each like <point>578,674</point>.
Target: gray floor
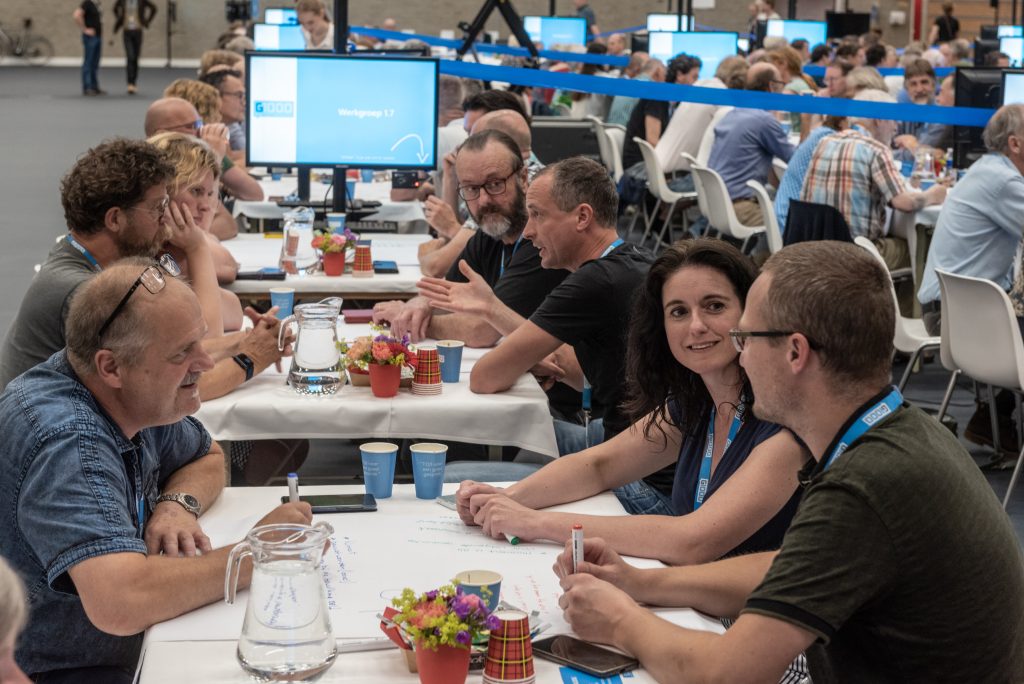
<point>45,125</point>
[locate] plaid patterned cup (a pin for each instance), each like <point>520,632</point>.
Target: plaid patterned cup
<point>510,651</point>
<point>363,265</point>
<point>428,366</point>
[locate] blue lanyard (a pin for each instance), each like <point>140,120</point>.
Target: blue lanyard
<point>141,504</point>
<point>865,422</point>
<point>501,255</point>
<point>609,248</point>
<point>704,479</point>
<point>89,257</point>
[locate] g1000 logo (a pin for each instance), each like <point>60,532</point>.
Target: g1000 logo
<point>274,108</point>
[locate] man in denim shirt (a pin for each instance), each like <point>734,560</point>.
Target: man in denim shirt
<point>106,477</point>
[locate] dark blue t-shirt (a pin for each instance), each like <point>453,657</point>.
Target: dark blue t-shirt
<point>752,432</point>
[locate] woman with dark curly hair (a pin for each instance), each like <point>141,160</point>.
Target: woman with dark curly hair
<point>735,486</point>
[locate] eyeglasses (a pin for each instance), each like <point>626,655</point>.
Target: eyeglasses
<point>157,211</point>
<point>196,126</point>
<point>240,94</point>
<point>491,187</point>
<point>776,83</point>
<point>152,279</point>
<point>740,337</point>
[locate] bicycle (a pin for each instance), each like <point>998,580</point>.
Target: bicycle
<point>36,50</point>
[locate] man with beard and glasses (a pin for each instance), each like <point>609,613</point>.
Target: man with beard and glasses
<point>492,180</point>
<point>115,205</point>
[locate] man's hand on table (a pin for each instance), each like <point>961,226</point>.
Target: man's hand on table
<point>464,499</point>
<point>475,297</point>
<point>174,531</point>
<point>548,372</point>
<point>260,343</point>
<point>594,608</point>
<point>498,515</point>
<point>412,317</point>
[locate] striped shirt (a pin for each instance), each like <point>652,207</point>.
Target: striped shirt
<point>855,174</point>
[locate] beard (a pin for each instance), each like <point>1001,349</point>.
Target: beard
<point>133,243</point>
<point>499,222</point>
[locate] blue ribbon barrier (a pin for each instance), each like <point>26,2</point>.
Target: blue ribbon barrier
<point>953,116</point>
<point>819,71</point>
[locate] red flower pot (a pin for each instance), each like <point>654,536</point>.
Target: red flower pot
<point>384,380</point>
<point>334,263</point>
<point>446,665</point>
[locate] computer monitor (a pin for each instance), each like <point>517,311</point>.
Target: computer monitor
<point>1009,31</point>
<point>553,31</point>
<point>323,109</point>
<point>638,42</point>
<point>982,48</point>
<point>278,37</point>
<point>814,32</point>
<point>280,15</point>
<point>711,46</point>
<point>1014,49</point>
<point>975,87</point>
<point>1013,87</point>
<point>743,44</point>
<point>842,24</point>
<point>669,22</point>
<point>556,138</point>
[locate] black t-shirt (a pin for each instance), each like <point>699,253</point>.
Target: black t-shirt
<point>590,312</point>
<point>949,27</point>
<point>92,18</point>
<point>522,288</point>
<point>636,128</point>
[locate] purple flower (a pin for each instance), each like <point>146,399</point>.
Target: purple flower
<point>492,622</point>
<point>463,637</point>
<point>431,595</point>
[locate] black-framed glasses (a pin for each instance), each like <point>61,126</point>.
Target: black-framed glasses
<point>491,187</point>
<point>152,279</point>
<point>739,337</point>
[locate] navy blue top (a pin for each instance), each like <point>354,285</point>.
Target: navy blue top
<point>751,434</point>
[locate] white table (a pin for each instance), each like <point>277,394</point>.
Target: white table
<point>266,408</point>
<point>181,650</point>
<point>255,251</point>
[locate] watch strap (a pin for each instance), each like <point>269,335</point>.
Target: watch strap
<point>246,364</point>
<point>184,500</point>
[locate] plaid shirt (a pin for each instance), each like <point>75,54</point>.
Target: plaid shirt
<point>855,174</point>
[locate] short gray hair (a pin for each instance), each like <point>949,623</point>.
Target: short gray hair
<point>13,609</point>
<point>871,95</point>
<point>1008,120</point>
<point>579,180</point>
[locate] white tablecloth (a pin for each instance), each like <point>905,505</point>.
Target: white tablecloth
<point>168,658</point>
<point>266,408</point>
<point>400,212</point>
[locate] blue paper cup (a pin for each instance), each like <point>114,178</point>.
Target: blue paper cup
<point>379,467</point>
<point>366,175</point>
<point>336,221</point>
<point>284,299</point>
<point>350,186</point>
<point>428,460</point>
<point>474,581</point>
<point>449,353</point>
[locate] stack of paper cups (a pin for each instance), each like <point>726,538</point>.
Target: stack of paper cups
<point>427,378</point>
<point>510,651</point>
<point>363,265</point>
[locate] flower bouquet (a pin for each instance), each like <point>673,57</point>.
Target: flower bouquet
<point>333,248</point>
<point>383,357</point>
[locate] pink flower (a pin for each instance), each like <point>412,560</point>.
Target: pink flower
<point>381,351</point>
<point>338,239</point>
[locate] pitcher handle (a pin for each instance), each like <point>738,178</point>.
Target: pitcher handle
<point>280,332</point>
<point>234,569</point>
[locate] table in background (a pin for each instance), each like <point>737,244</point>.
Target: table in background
<point>175,651</point>
<point>255,251</point>
<point>266,408</point>
<point>917,229</point>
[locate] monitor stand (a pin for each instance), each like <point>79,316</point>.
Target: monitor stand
<point>340,199</point>
<point>512,20</point>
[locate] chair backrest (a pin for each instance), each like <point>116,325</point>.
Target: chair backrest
<point>706,143</point>
<point>720,214</point>
<point>779,167</point>
<point>655,176</point>
<point>903,340</point>
<point>983,335</point>
<point>811,221</point>
<point>701,201</point>
<point>771,223</point>
<point>617,137</point>
<point>604,144</point>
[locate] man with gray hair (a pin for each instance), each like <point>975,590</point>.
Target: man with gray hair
<point>854,172</point>
<point>102,518</point>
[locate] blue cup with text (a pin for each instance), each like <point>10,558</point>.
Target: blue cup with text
<point>449,353</point>
<point>475,581</point>
<point>284,299</point>
<point>350,188</point>
<point>366,175</point>
<point>336,221</point>
<point>379,467</point>
<point>428,459</point>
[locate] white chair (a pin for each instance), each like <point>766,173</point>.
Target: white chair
<point>719,211</point>
<point>708,141</point>
<point>779,167</point>
<point>771,221</point>
<point>911,336</point>
<point>984,340</point>
<point>617,136</point>
<point>604,144</point>
<point>658,187</point>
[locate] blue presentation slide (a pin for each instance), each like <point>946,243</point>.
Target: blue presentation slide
<point>280,15</point>
<point>553,31</point>
<point>811,31</point>
<point>278,37</point>
<point>1014,49</point>
<point>359,112</point>
<point>1013,88</point>
<point>1007,31</point>
<point>711,46</point>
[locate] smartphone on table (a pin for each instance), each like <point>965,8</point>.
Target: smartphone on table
<point>584,656</point>
<point>338,503</point>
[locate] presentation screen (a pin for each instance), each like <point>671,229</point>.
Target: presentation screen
<point>1005,31</point>
<point>553,31</point>
<point>811,31</point>
<point>280,15</point>
<point>668,22</point>
<point>1013,87</point>
<point>1014,49</point>
<point>711,46</point>
<point>278,37</point>
<point>321,109</point>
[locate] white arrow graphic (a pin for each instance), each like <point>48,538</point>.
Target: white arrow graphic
<point>422,155</point>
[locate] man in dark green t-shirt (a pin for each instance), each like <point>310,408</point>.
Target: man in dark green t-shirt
<point>900,565</point>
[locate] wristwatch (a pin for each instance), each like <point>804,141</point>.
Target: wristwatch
<point>187,501</point>
<point>246,364</point>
